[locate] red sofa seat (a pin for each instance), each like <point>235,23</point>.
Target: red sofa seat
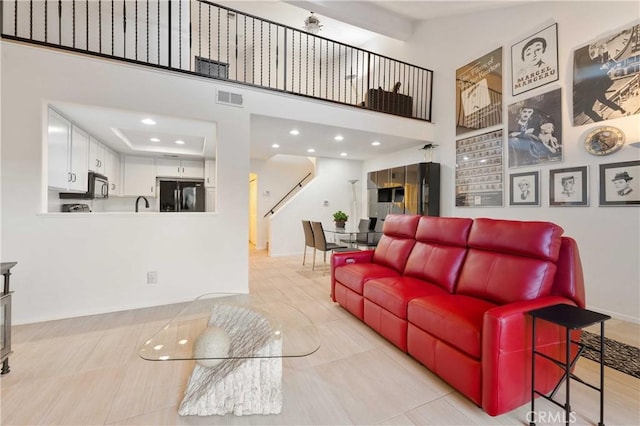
<point>458,304</point>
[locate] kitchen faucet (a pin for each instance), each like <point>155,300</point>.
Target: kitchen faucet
<point>146,202</point>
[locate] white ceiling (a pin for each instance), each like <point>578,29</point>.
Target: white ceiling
<point>123,131</point>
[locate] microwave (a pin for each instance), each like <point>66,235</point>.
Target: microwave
<point>98,187</point>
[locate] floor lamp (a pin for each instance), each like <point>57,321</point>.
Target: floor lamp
<point>354,200</point>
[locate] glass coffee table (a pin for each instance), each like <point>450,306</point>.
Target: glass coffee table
<point>238,342</point>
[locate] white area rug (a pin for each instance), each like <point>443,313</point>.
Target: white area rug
<point>238,386</point>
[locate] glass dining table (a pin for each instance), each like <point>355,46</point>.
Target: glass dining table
<point>353,237</point>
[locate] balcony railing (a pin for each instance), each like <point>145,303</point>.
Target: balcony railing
<point>199,37</point>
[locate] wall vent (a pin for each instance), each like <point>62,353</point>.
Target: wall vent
<point>228,98</point>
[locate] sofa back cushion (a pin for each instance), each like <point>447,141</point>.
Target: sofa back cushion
<point>509,261</point>
<point>440,249</point>
<point>398,233</point>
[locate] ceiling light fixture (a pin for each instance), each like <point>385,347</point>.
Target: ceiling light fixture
<point>343,154</point>
<point>154,140</point>
<point>294,132</point>
<point>148,122</point>
<point>311,150</point>
<point>180,142</point>
<point>375,143</point>
<point>275,145</point>
<point>338,138</point>
<point>312,24</point>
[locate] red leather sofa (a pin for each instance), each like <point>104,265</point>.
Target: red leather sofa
<point>454,294</point>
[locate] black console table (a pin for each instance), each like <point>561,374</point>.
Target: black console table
<point>571,318</point>
<point>5,317</point>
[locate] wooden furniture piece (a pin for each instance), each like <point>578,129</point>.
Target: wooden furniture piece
<point>321,244</point>
<point>571,318</point>
<point>5,317</point>
<point>390,102</point>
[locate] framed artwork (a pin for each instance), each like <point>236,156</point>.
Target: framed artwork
<point>479,93</point>
<point>524,189</point>
<point>620,184</point>
<point>534,60</point>
<point>605,75</point>
<point>535,130</point>
<point>479,170</point>
<point>569,187</point>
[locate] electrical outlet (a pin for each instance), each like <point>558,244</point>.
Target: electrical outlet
<point>152,277</point>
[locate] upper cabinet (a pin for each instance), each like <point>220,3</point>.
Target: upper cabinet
<point>68,150</point>
<point>112,172</point>
<point>139,176</point>
<point>180,168</point>
<point>210,173</point>
<point>96,156</point>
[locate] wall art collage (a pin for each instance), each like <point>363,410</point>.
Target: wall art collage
<point>606,85</point>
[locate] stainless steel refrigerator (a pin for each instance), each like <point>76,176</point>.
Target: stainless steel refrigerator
<point>182,195</point>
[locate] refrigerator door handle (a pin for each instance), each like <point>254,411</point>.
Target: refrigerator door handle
<point>176,199</point>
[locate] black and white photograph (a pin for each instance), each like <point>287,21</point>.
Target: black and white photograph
<point>569,187</point>
<point>606,77</point>
<point>524,189</point>
<point>620,184</point>
<point>535,130</point>
<point>479,170</point>
<point>479,93</point>
<point>534,60</point>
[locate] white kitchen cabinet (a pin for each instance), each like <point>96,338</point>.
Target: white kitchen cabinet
<point>180,168</point>
<point>210,173</point>
<point>112,172</point>
<point>96,156</point>
<point>68,150</point>
<point>139,176</point>
<point>210,200</point>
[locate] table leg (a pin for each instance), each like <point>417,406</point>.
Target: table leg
<point>5,367</point>
<point>533,372</point>
<point>567,405</point>
<point>601,423</point>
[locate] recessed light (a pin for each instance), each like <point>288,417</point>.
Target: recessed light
<point>179,142</point>
<point>294,132</point>
<point>275,145</point>
<point>148,121</point>
<point>311,150</point>
<point>154,140</point>
<point>375,143</point>
<point>338,138</point>
<point>343,154</point>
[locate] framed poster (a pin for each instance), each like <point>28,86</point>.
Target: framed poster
<point>534,60</point>
<point>479,170</point>
<point>569,187</point>
<point>606,75</point>
<point>479,93</point>
<point>524,189</point>
<point>620,184</point>
<point>535,130</point>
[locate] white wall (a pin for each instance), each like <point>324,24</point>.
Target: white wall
<point>608,237</point>
<point>331,184</point>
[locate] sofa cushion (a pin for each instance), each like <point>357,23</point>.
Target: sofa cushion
<point>354,275</point>
<point>397,241</point>
<point>394,293</point>
<point>541,240</point>
<point>451,231</point>
<point>454,319</point>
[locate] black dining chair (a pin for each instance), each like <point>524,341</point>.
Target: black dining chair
<point>322,245</point>
<point>308,239</point>
<point>361,237</point>
<point>372,237</point>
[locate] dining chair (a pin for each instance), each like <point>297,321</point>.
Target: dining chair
<point>322,245</point>
<point>362,236</point>
<point>308,239</point>
<point>372,237</point>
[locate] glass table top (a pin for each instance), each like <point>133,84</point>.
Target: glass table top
<point>219,326</point>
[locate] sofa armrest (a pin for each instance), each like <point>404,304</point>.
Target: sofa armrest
<point>346,258</point>
<point>506,353</point>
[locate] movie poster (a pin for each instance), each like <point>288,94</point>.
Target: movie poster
<point>606,77</point>
<point>479,174</point>
<point>534,133</point>
<point>479,93</point>
<point>534,60</point>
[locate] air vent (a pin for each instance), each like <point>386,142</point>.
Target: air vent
<point>171,156</point>
<point>229,98</point>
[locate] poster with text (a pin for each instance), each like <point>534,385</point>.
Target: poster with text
<point>534,60</point>
<point>479,93</point>
<point>606,77</point>
<point>535,130</point>
<point>479,177</point>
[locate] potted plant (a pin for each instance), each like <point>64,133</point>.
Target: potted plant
<point>340,218</point>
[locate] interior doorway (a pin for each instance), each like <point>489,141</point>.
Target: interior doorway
<point>253,208</point>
